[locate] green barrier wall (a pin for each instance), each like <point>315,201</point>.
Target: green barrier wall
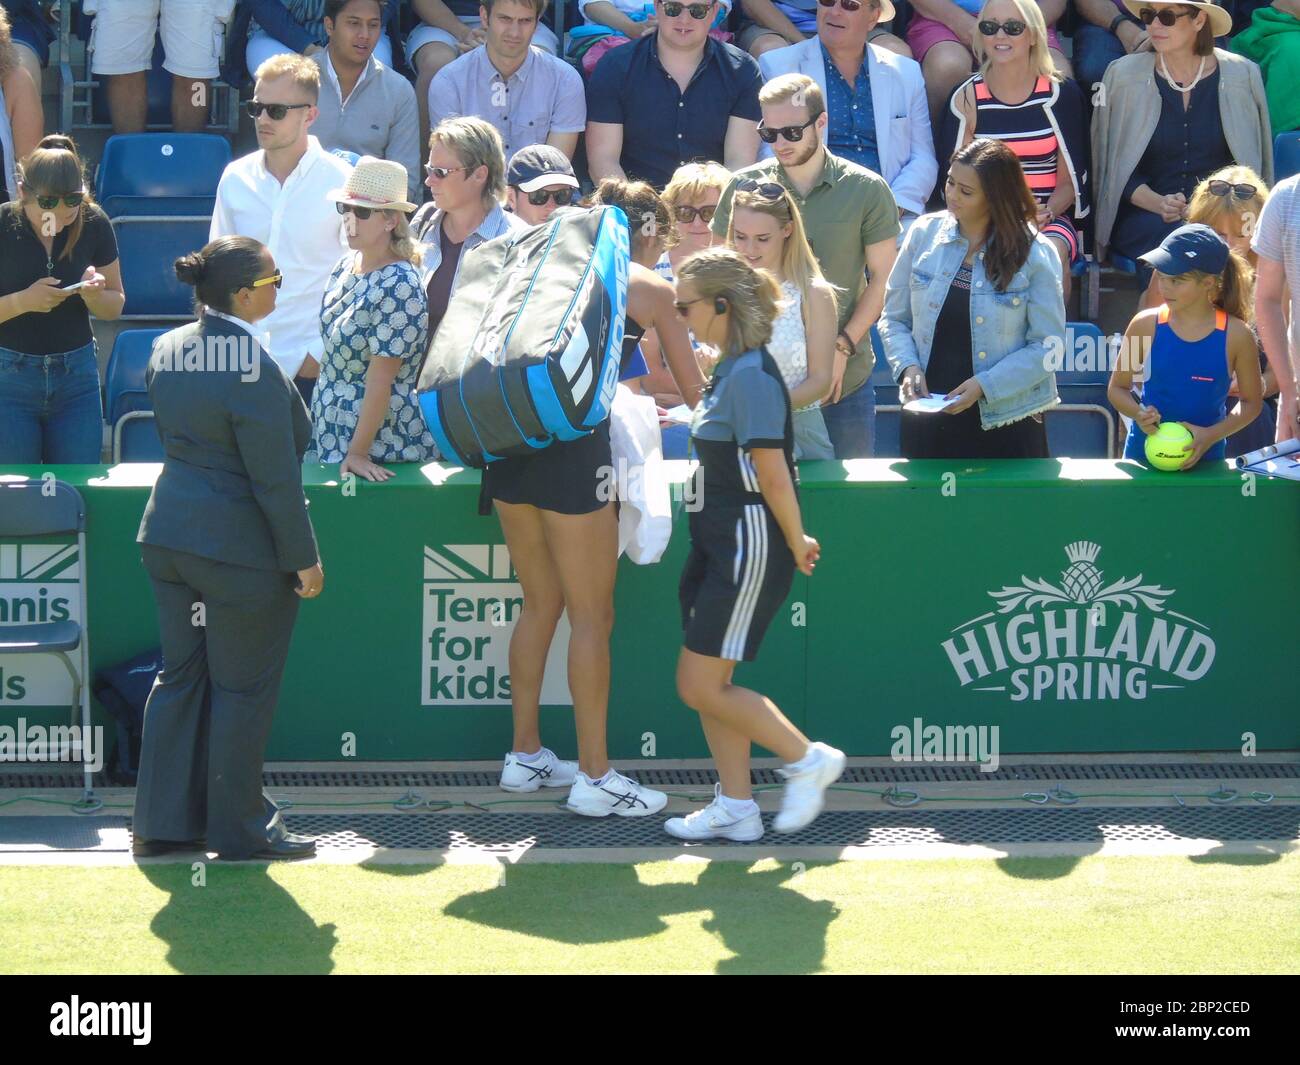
<point>1133,611</point>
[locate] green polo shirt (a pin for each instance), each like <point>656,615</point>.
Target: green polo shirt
<point>849,208</point>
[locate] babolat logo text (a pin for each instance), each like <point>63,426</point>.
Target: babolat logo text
<point>472,599</point>
<point>1083,639</point>
<point>238,353</point>
<point>102,1018</point>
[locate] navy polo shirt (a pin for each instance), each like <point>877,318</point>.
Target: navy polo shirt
<point>851,129</point>
<point>664,127</point>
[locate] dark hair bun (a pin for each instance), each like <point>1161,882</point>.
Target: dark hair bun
<point>58,140</point>
<point>191,268</point>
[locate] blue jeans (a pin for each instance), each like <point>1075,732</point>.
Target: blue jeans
<point>1095,49</point>
<point>50,409</point>
<point>851,423</point>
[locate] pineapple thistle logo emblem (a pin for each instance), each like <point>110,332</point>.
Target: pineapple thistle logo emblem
<point>1083,579</point>
<point>1081,582</point>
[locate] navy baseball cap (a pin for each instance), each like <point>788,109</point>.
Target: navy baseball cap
<point>1190,247</point>
<point>539,165</point>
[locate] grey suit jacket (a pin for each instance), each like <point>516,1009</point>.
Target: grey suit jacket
<point>234,429</point>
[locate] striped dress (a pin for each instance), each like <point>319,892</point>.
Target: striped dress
<point>1027,130</point>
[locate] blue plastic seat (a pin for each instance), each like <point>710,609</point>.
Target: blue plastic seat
<point>147,246</point>
<point>1286,155</point>
<point>161,173</point>
<point>124,386</point>
<point>135,439</point>
<point>1080,431</point>
<point>886,443</point>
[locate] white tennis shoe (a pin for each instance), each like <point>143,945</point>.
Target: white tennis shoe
<point>805,788</point>
<point>618,795</point>
<point>714,822</point>
<point>542,770</point>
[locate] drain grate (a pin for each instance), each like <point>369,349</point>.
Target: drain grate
<point>882,774</point>
<point>513,834</point>
<point>702,777</point>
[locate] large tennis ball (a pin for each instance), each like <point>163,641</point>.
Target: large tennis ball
<point>1165,447</point>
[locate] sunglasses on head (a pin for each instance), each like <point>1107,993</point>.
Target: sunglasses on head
<point>442,172</point>
<point>276,279</point>
<point>562,197</point>
<point>71,199</point>
<point>1166,16</point>
<point>793,134</point>
<point>852,5</point>
<point>697,11</point>
<point>276,111</point>
<point>989,27</point>
<point>769,190</point>
<point>1225,188</point>
<point>686,213</point>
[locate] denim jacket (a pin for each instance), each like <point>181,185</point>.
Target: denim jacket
<point>1009,330</point>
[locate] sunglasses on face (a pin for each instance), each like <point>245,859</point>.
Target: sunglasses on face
<point>442,172</point>
<point>276,111</point>
<point>681,305</point>
<point>276,279</point>
<point>852,5</point>
<point>1166,16</point>
<point>1241,192</point>
<point>71,199</point>
<point>562,197</point>
<point>688,214</point>
<point>793,134</point>
<point>1013,27</point>
<point>769,190</point>
<point>362,213</point>
<point>697,11</point>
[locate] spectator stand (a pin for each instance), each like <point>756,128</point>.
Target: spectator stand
<point>82,107</point>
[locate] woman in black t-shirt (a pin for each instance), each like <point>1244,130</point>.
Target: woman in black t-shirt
<point>51,238</point>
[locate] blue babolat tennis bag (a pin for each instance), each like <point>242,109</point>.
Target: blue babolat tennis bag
<point>529,350</point>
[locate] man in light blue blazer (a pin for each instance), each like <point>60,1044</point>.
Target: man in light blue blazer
<point>875,100</point>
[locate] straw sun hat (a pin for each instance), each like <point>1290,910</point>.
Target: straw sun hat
<point>379,184</point>
<point>1220,20</point>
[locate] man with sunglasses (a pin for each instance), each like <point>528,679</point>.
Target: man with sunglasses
<point>877,114</point>
<point>279,195</point>
<point>851,220</point>
<point>538,180</point>
<point>365,107</point>
<point>672,96</point>
<point>529,95</point>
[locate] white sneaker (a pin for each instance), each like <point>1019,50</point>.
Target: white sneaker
<point>617,795</point>
<point>714,822</point>
<point>805,790</point>
<point>543,770</point>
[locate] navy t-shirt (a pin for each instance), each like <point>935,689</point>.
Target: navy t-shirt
<point>664,127</point>
<point>745,405</point>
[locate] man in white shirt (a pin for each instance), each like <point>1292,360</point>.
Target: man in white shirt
<point>279,196</point>
<point>1277,242</point>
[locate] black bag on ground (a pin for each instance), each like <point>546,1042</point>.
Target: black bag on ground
<point>122,690</point>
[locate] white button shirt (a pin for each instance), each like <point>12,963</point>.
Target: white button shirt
<point>304,231</point>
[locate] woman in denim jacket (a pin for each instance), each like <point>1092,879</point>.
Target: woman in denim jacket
<point>973,311</point>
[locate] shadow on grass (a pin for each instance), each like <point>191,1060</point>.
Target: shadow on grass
<point>241,921</point>
<point>768,927</point>
<point>1260,854</point>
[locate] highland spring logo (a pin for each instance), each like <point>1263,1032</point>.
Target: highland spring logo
<point>1084,639</point>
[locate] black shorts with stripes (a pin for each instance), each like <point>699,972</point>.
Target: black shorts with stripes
<point>737,576</point>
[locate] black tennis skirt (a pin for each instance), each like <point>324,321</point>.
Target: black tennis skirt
<point>568,477</point>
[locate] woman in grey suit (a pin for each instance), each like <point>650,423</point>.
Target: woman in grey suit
<point>230,551</point>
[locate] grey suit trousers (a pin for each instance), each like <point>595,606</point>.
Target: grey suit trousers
<point>208,717</point>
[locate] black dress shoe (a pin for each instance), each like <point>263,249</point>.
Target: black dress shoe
<point>151,848</point>
<point>282,850</point>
